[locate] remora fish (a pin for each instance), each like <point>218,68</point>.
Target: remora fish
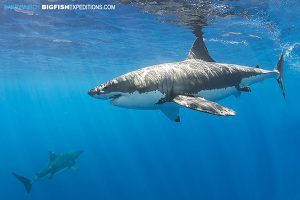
<point>195,83</point>
<point>56,164</point>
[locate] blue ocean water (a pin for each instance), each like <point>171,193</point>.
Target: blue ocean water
<point>50,59</point>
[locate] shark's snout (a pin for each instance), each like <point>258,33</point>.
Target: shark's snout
<point>77,154</point>
<point>93,92</point>
<point>97,90</point>
<point>101,92</point>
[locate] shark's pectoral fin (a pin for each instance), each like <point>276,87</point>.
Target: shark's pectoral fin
<point>171,112</point>
<point>203,105</point>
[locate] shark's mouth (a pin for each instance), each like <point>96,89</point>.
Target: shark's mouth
<point>114,97</point>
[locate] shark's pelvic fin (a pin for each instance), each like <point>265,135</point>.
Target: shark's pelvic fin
<point>26,182</point>
<point>203,105</point>
<point>199,51</point>
<point>171,112</point>
<point>52,155</point>
<point>243,89</point>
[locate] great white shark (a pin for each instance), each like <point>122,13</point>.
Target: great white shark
<point>57,163</point>
<point>196,83</point>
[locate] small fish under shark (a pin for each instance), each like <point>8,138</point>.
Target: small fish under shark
<point>57,163</point>
<point>196,83</point>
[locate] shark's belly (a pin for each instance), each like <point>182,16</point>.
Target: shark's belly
<point>136,100</point>
<point>217,94</point>
<point>221,93</point>
<point>150,100</point>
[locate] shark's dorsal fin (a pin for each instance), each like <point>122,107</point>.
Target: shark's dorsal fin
<point>199,51</point>
<point>52,155</point>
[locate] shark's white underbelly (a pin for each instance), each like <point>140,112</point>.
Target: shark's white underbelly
<point>221,93</point>
<point>217,94</point>
<point>136,100</point>
<point>149,100</point>
<point>259,78</point>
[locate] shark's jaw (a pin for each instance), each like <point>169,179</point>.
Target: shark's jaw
<point>99,94</point>
<point>114,98</point>
<point>136,100</point>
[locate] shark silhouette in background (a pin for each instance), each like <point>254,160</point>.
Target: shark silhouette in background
<point>57,163</point>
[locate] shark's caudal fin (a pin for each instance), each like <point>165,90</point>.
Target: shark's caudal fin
<point>279,69</point>
<point>199,51</point>
<point>26,182</point>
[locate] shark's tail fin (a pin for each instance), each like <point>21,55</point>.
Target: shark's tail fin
<point>26,182</point>
<point>279,69</point>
